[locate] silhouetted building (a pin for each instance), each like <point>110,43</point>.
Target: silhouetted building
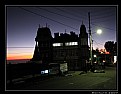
<point>64,47</point>
<point>43,46</point>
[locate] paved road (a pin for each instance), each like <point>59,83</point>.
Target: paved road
<point>90,81</point>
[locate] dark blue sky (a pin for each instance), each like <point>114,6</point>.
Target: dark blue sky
<point>22,23</point>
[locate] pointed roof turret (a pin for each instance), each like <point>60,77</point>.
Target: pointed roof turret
<point>82,28</point>
<point>82,22</point>
<point>65,30</point>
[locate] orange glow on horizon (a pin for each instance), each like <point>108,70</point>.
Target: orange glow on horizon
<point>107,53</point>
<point>15,57</point>
<point>104,51</point>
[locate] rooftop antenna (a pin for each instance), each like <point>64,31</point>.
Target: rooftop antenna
<point>39,25</point>
<point>65,30</point>
<point>46,24</point>
<point>82,22</point>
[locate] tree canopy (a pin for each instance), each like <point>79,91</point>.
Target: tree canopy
<point>111,47</point>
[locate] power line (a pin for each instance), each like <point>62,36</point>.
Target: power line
<point>47,18</point>
<point>58,14</point>
<point>101,12</point>
<point>102,17</point>
<point>60,22</point>
<point>81,14</point>
<point>86,19</point>
<point>106,20</point>
<point>69,13</point>
<point>98,43</point>
<point>105,27</point>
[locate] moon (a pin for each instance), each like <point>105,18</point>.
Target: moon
<point>99,31</point>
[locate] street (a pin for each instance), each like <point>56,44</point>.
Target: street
<point>87,81</point>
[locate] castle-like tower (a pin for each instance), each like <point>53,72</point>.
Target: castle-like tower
<point>83,47</point>
<point>43,46</point>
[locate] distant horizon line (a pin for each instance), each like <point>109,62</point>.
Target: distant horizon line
<point>18,59</point>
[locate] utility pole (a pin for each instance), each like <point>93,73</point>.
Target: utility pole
<point>90,38</point>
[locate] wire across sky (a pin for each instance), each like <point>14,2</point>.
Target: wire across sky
<point>22,23</point>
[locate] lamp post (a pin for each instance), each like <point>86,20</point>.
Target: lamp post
<point>99,31</point>
<point>90,35</point>
<point>90,39</point>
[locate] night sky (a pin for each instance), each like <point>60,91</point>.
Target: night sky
<point>22,23</point>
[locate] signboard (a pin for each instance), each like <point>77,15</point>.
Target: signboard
<point>63,67</point>
<point>115,59</point>
<point>55,67</point>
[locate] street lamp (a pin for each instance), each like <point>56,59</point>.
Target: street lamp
<point>90,39</point>
<point>95,56</point>
<point>99,31</point>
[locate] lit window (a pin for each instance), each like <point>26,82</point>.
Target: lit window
<point>115,59</point>
<point>57,44</point>
<point>46,71</point>
<point>71,43</point>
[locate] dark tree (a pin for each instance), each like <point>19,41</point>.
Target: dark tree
<point>97,51</point>
<point>111,47</point>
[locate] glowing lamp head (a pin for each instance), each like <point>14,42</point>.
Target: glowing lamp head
<point>99,31</point>
<point>103,60</point>
<point>95,56</point>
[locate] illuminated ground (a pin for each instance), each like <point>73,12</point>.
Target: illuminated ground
<point>95,81</point>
